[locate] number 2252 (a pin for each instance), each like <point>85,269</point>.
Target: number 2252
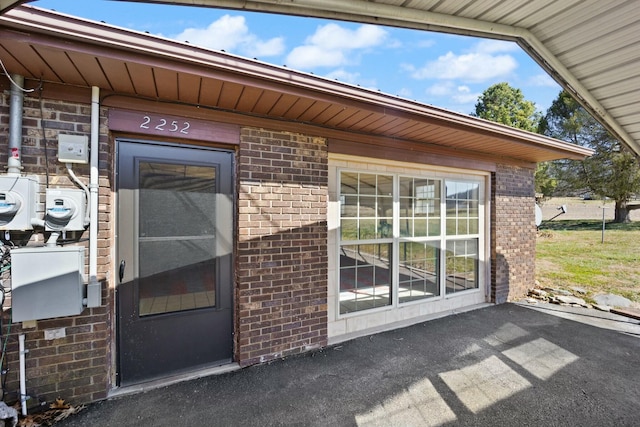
<point>163,125</point>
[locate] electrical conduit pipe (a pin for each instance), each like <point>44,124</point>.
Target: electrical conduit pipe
<point>94,294</point>
<point>23,373</point>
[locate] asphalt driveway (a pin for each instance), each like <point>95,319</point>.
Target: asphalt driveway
<point>505,365</point>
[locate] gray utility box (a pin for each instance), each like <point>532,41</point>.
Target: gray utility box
<point>46,282</point>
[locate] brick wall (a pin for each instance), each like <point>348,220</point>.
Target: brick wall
<point>513,232</point>
<point>75,367</point>
<point>282,245</point>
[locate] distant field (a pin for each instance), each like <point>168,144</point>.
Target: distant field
<point>581,209</point>
<point>571,253</point>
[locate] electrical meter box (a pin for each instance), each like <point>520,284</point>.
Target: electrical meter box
<point>46,282</point>
<point>64,209</point>
<point>18,201</point>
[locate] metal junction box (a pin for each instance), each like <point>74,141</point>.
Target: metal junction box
<point>18,200</point>
<point>46,282</point>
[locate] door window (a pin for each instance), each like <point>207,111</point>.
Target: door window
<point>177,240</point>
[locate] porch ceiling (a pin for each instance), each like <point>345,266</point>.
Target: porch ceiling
<point>57,48</point>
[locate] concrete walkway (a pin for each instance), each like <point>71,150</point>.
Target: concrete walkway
<point>506,365</point>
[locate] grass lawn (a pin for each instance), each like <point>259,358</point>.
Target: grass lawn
<point>571,253</point>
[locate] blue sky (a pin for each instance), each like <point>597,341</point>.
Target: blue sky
<point>438,69</point>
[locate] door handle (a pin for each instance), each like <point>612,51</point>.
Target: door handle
<point>121,270</point>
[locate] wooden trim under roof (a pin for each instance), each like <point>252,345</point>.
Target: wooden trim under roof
<point>62,49</point>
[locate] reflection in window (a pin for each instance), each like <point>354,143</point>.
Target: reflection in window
<point>462,265</point>
<point>462,208</point>
<point>421,257</point>
<point>419,207</point>
<point>419,271</point>
<point>365,277</point>
<point>177,237</point>
<point>366,208</point>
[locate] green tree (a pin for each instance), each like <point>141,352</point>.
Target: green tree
<point>504,104</point>
<point>611,172</point>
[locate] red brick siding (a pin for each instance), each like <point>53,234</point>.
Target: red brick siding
<point>77,367</point>
<point>281,246</point>
<point>513,232</point>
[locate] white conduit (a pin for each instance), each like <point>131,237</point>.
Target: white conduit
<point>94,294</point>
<point>23,379</point>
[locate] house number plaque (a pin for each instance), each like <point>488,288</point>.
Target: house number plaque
<point>173,126</point>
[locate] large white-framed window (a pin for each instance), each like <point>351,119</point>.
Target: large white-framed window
<point>407,238</point>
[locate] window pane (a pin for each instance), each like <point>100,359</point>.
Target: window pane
<point>367,207</point>
<point>349,206</point>
<point>434,227</point>
<point>462,208</point>
<point>420,227</point>
<point>368,199</point>
<point>367,184</point>
<point>420,200</point>
<point>385,185</point>
<point>385,206</point>
<point>418,271</point>
<point>367,229</point>
<point>406,227</point>
<point>462,265</point>
<point>348,183</point>
<point>365,277</point>
<point>349,229</point>
<point>385,229</point>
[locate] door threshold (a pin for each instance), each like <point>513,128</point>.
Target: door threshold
<point>167,381</point>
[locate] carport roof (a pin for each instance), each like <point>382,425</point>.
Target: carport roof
<point>590,47</point>
<point>58,48</point>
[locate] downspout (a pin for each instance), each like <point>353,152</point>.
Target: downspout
<point>94,293</point>
<point>16,109</point>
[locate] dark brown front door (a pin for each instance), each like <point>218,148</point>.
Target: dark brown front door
<point>175,240</point>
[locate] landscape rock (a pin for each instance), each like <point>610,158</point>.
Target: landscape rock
<point>539,293</point>
<point>612,300</point>
<point>602,307</point>
<point>578,290</point>
<point>558,291</point>
<point>570,299</point>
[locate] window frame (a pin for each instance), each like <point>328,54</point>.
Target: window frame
<point>440,241</point>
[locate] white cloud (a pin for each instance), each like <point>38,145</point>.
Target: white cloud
<point>334,46</point>
<point>405,92</point>
<point>309,56</point>
<point>543,80</point>
<point>475,67</point>
<point>495,46</point>
<point>465,97</point>
<point>231,34</point>
<point>343,76</point>
<point>485,60</point>
<point>333,36</point>
<point>440,89</point>
<point>426,43</point>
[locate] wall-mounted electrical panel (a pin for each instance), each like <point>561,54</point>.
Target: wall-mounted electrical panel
<point>73,148</point>
<point>18,201</point>
<point>46,282</point>
<point>65,209</point>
